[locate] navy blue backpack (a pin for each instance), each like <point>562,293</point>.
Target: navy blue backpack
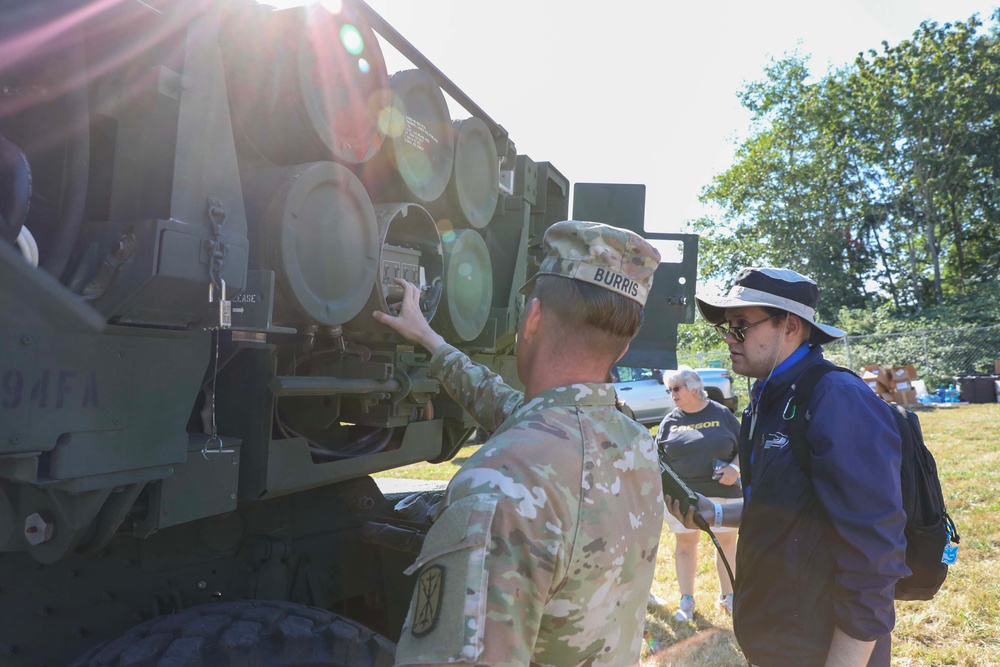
<point>929,530</point>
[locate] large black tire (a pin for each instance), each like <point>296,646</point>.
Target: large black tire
<point>733,403</point>
<point>245,633</point>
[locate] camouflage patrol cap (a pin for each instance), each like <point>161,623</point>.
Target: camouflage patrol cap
<point>615,259</point>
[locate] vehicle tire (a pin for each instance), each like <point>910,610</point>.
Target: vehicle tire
<point>245,633</point>
<point>732,403</point>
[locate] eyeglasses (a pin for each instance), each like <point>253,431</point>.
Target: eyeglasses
<point>674,390</point>
<point>740,333</point>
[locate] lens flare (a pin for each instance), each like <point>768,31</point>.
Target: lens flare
<point>465,270</point>
<point>364,66</point>
<point>415,167</point>
<point>332,6</point>
<point>447,231</point>
<point>391,121</point>
<point>351,38</point>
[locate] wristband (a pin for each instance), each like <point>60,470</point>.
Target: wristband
<point>734,467</point>
<point>718,515</point>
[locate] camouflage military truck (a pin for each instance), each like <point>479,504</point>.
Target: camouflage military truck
<point>201,203</point>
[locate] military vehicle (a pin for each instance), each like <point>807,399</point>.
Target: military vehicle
<point>201,204</point>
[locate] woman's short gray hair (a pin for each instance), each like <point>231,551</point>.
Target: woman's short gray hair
<point>690,379</point>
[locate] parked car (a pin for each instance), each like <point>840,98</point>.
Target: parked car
<point>643,391</point>
<point>720,386</point>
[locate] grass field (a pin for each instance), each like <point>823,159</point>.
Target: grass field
<point>960,626</point>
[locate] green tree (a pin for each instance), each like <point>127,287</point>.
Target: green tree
<point>880,179</point>
<point>928,110</point>
<point>788,197</point>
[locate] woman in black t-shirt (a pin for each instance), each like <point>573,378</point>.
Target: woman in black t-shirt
<point>698,439</point>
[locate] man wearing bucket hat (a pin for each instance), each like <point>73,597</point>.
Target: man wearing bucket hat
<point>819,551</point>
<point>545,549</point>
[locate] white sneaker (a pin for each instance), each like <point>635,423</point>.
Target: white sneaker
<point>655,600</point>
<point>686,611</point>
<point>725,603</point>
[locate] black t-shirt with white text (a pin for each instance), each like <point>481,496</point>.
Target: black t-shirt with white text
<point>691,442</point>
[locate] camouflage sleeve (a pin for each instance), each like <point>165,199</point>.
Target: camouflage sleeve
<point>486,571</point>
<point>482,393</point>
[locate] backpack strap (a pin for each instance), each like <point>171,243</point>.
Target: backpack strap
<point>796,412</point>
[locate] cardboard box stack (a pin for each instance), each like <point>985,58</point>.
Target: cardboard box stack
<point>892,384</point>
<point>879,378</point>
<point>902,385</point>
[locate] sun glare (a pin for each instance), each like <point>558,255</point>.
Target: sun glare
<point>332,6</point>
<point>447,230</point>
<point>352,40</point>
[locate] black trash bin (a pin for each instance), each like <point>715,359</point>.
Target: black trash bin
<point>977,388</point>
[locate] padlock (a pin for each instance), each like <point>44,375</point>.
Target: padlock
<point>225,307</point>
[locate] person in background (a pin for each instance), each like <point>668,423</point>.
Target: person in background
<point>697,439</point>
<point>820,552</point>
<point>545,549</point>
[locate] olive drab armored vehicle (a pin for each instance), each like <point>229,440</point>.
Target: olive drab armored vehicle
<point>201,204</point>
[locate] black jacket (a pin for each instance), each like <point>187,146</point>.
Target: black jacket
<point>823,549</point>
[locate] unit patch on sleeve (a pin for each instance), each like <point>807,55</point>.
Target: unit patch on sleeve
<point>427,609</point>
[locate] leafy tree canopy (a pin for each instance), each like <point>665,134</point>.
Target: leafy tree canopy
<point>881,179</point>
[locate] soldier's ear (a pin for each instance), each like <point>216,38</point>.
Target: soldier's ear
<point>623,354</point>
<point>532,317</point>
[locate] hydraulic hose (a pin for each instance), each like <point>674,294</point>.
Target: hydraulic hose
<point>368,444</point>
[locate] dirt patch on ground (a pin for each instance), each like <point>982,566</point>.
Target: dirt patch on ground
<point>714,647</point>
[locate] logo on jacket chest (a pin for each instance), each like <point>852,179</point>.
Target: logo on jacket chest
<point>775,440</point>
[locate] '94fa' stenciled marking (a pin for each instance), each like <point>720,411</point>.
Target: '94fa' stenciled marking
<point>53,388</point>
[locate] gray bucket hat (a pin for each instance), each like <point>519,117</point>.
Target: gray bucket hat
<point>772,288</point>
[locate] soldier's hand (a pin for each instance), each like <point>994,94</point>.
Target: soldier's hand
<point>410,321</point>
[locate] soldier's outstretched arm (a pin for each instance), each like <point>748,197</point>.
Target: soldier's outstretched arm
<point>473,386</point>
<point>410,322</point>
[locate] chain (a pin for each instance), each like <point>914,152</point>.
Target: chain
<point>217,251</point>
<point>216,247</point>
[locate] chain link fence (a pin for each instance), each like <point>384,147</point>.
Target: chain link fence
<point>939,356</point>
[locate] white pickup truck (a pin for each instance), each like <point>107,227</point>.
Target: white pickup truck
<point>643,391</point>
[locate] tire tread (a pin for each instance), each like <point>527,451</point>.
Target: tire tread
<point>245,633</point>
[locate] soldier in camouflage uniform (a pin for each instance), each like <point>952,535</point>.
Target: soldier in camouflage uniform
<point>544,551</point>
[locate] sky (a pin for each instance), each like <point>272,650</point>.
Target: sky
<point>641,91</point>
